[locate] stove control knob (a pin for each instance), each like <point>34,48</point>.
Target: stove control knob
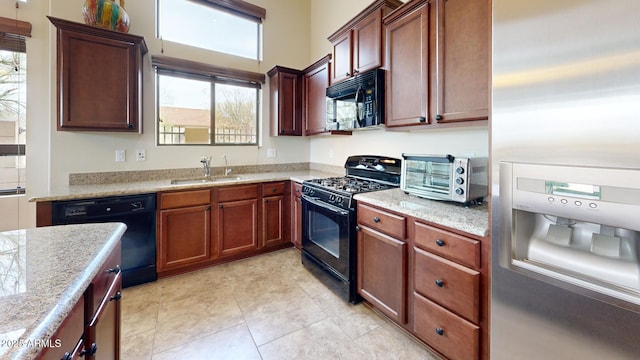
<point>332,198</point>
<point>459,191</point>
<point>460,170</point>
<point>339,200</point>
<point>459,181</point>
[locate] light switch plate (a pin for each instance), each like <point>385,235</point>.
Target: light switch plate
<point>120,155</point>
<point>271,152</point>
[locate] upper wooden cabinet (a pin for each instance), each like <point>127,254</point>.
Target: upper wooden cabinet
<point>437,56</point>
<point>315,83</point>
<point>99,78</point>
<point>285,99</point>
<point>358,45</point>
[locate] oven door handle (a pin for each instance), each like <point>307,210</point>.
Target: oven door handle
<point>319,203</point>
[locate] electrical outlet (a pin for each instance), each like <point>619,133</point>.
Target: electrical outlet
<point>271,152</point>
<point>141,155</point>
<point>120,155</point>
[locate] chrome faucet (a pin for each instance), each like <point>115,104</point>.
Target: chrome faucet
<point>227,171</point>
<point>206,163</point>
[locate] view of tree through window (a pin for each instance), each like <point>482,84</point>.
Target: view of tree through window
<point>13,91</point>
<point>186,116</point>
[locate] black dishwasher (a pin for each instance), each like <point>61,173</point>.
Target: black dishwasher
<point>138,212</point>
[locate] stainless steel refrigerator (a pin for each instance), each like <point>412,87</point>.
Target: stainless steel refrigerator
<point>565,155</point>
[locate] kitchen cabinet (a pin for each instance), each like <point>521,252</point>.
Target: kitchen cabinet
<point>275,213</point>
<point>99,78</point>
<point>437,56</point>
<point>237,220</point>
<point>315,83</point>
<point>102,299</point>
<point>358,45</point>
<point>285,99</point>
<point>431,281</point>
<point>382,261</point>
<point>69,336</point>
<point>184,229</point>
<point>296,223</point>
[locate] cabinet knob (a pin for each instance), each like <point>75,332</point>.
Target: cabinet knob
<point>422,119</point>
<point>439,283</point>
<point>347,74</point>
<point>115,270</point>
<point>438,117</point>
<point>220,206</point>
<point>130,126</point>
<point>440,331</point>
<point>282,131</point>
<point>266,201</point>
<point>357,228</point>
<point>355,71</point>
<point>67,356</point>
<point>440,242</point>
<point>376,219</point>
<point>274,189</point>
<point>116,297</point>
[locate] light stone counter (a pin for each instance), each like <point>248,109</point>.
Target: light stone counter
<point>72,192</point>
<point>43,273</point>
<point>472,220</point>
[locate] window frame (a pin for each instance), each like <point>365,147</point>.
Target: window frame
<point>188,69</point>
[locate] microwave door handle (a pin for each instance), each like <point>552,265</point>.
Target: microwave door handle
<point>358,119</point>
<point>331,208</point>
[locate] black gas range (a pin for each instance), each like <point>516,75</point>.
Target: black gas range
<point>329,219</point>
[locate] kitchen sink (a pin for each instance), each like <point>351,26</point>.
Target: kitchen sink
<point>204,180</point>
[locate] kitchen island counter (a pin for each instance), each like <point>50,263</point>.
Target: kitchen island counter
<point>473,220</point>
<point>44,272</point>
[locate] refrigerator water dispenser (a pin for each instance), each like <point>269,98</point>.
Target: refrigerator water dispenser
<point>574,227</point>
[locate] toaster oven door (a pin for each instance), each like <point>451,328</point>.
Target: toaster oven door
<point>428,176</point>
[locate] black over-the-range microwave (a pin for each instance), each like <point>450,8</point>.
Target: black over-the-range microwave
<point>356,103</point>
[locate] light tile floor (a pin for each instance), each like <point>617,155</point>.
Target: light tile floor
<point>265,307</point>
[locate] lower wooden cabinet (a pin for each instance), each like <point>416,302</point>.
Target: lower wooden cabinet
<point>237,227</point>
<point>430,281</point>
<point>184,229</point>
<point>451,335</point>
<point>91,330</point>
<point>296,211</point>
<point>382,264</point>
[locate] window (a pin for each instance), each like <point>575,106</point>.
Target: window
<point>227,26</point>
<point>200,104</point>
<point>13,99</point>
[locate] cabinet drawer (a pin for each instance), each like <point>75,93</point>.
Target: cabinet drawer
<point>449,245</point>
<point>103,281</point>
<point>270,189</point>
<point>233,193</point>
<point>67,335</point>
<point>388,223</point>
<point>446,332</point>
<point>447,283</point>
<point>180,199</point>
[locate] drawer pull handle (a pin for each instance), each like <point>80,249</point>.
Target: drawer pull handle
<point>439,283</point>
<point>115,270</point>
<point>91,351</point>
<point>376,219</point>
<point>440,331</point>
<point>274,189</point>
<point>440,242</point>
<point>116,297</point>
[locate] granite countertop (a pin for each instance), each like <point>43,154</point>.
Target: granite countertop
<point>71,192</point>
<point>473,220</point>
<point>43,273</point>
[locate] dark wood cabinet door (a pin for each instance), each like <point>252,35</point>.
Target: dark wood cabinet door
<point>184,237</point>
<point>342,67</point>
<point>367,43</point>
<point>237,227</point>
<point>296,229</point>
<point>382,273</point>
<point>462,66</point>
<point>316,81</point>
<point>273,220</point>
<point>99,78</point>
<point>407,78</point>
<point>285,93</point>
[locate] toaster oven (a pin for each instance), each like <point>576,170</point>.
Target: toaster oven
<point>445,177</point>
